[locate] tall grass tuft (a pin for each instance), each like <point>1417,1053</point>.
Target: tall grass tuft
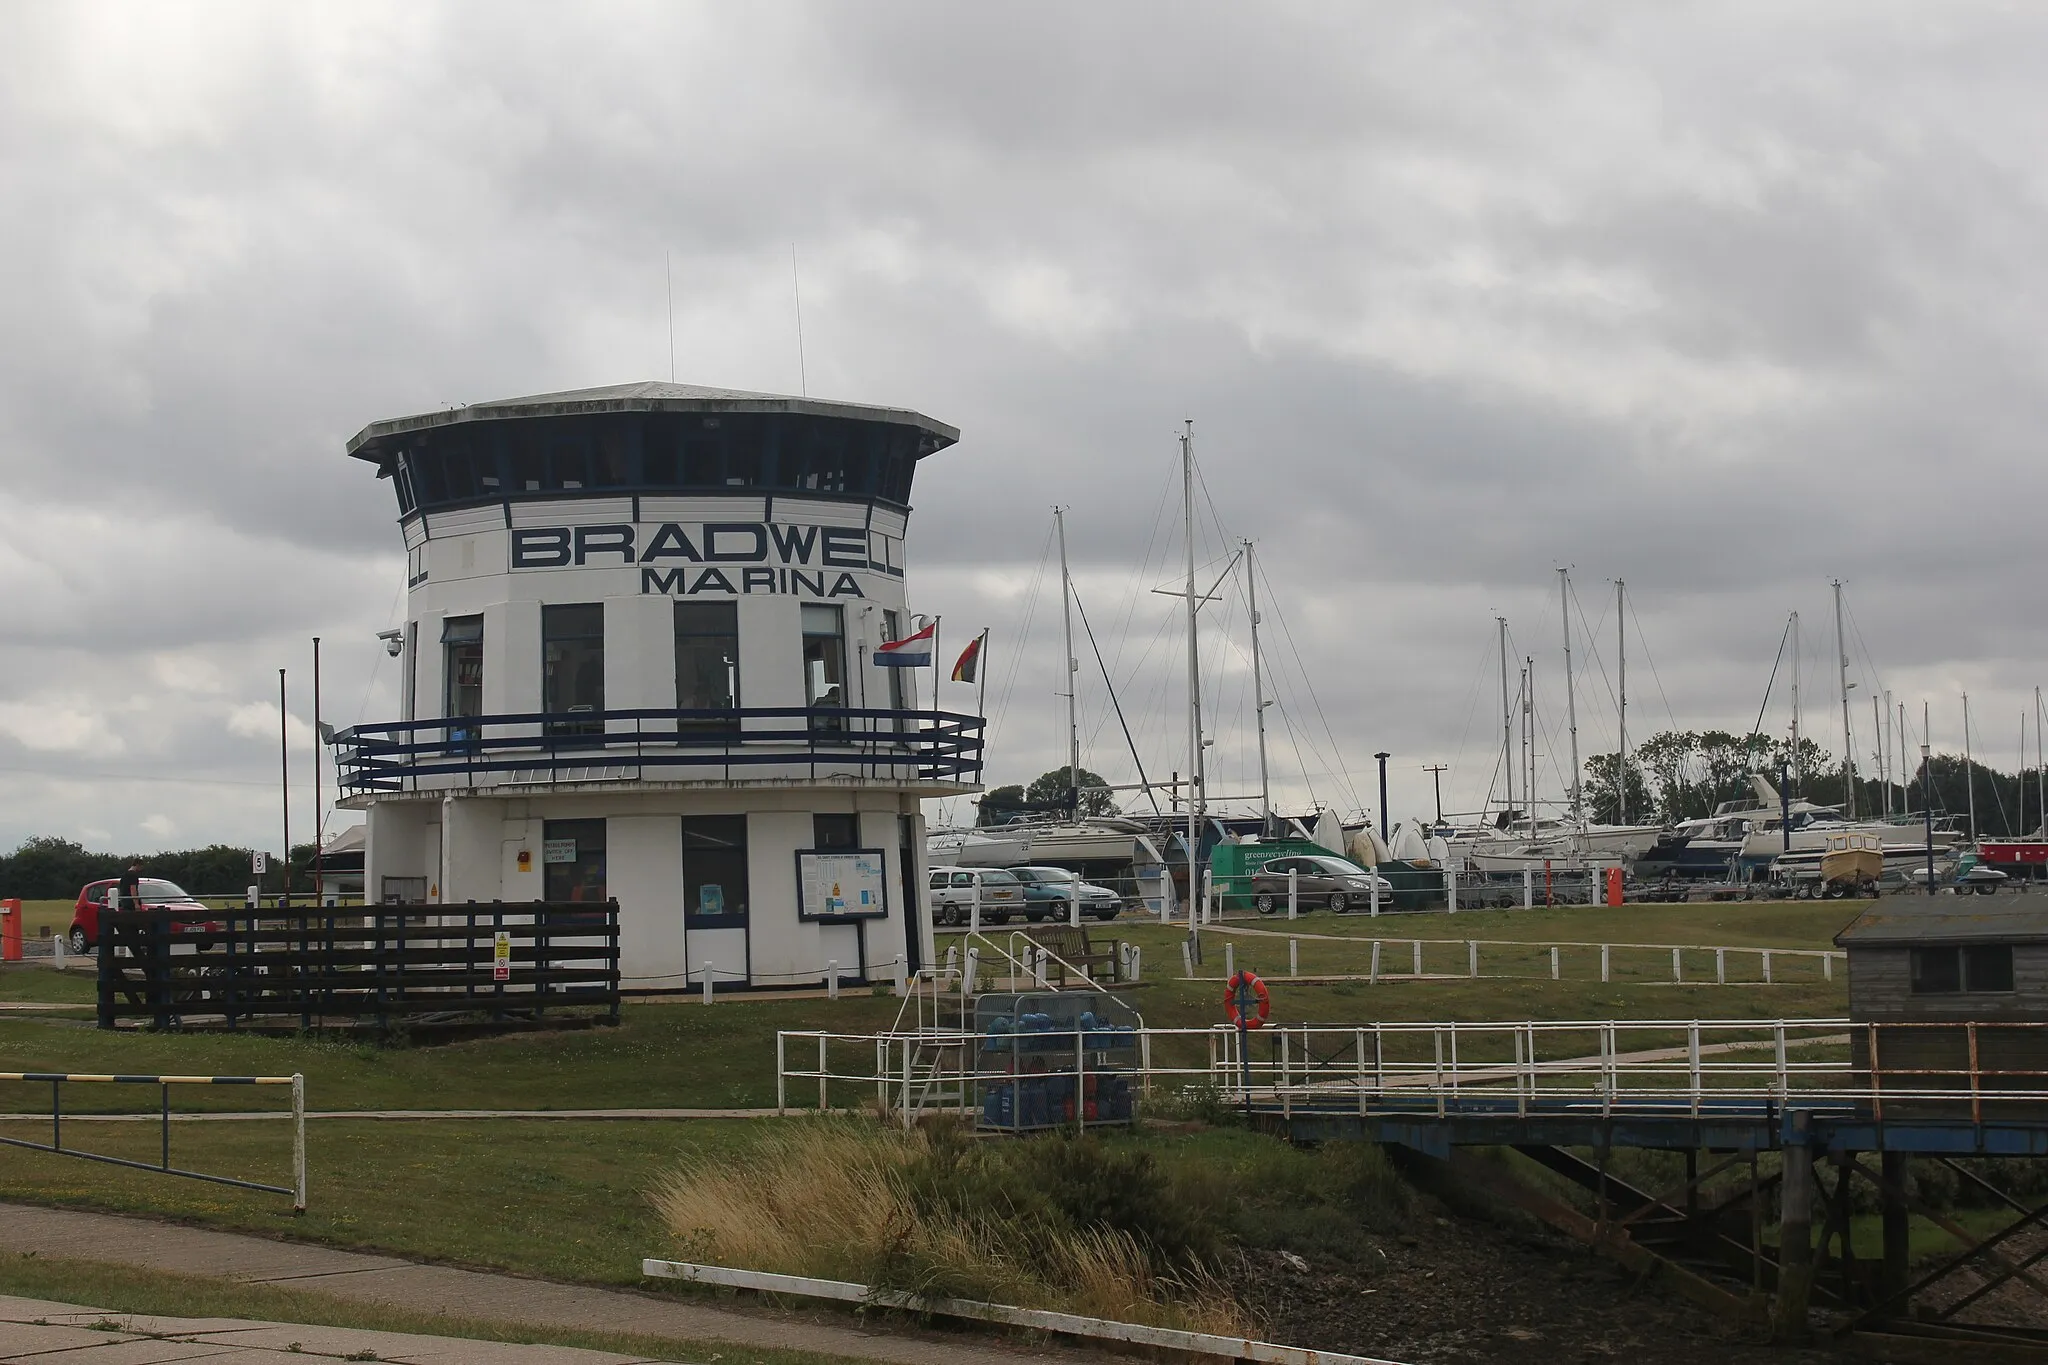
<point>1074,1224</point>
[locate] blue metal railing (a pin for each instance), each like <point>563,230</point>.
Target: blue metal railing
<point>886,745</point>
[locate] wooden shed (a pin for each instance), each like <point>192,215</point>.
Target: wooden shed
<point>1952,997</point>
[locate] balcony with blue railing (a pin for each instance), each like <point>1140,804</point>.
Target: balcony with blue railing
<point>938,752</point>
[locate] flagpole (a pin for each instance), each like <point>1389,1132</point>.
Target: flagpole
<point>936,656</point>
<point>981,676</point>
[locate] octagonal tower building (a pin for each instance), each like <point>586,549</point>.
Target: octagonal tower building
<point>639,663</point>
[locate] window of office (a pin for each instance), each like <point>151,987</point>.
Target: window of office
<point>835,831</point>
<point>824,661</point>
<point>462,648</point>
<point>1947,971</point>
<point>714,871</point>
<point>611,463</point>
<point>707,663</point>
<point>572,666</point>
<point>572,860</point>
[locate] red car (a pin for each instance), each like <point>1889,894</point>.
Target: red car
<point>156,893</point>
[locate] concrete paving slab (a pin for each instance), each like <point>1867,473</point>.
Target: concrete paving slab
<point>13,1309</point>
<point>131,1351</point>
<point>27,1338</point>
<point>404,1347</point>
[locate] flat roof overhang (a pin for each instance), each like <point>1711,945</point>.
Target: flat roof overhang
<point>651,396</point>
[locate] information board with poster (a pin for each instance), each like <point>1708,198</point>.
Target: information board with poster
<point>841,883</point>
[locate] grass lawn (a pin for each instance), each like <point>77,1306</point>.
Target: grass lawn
<point>37,916</point>
<point>46,985</point>
<point>157,1293</point>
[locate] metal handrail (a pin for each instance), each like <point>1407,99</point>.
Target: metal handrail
<point>1609,1067</point>
<point>930,745</point>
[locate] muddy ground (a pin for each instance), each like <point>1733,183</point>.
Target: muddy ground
<point>1452,1290</point>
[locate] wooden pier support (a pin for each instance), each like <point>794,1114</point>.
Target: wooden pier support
<point>1795,1233</point>
<point>1892,1202</point>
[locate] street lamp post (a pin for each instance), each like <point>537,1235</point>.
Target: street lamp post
<point>1383,756</point>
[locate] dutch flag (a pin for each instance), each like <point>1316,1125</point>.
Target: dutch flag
<point>912,651</point>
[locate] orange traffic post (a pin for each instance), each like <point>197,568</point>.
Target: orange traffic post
<point>1614,886</point>
<point>10,931</point>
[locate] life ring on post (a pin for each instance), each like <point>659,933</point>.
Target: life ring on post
<point>1247,980</point>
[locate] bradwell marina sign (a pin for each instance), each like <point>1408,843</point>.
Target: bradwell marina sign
<point>722,558</point>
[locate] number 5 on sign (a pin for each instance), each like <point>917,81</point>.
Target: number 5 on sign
<point>501,956</point>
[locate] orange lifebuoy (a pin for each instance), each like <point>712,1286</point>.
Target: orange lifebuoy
<point>1250,979</point>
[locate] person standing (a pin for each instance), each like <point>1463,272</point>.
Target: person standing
<point>128,892</point>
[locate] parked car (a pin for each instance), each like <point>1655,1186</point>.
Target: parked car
<point>156,894</point>
<point>951,892</point>
<point>1320,879</point>
<point>1047,891</point>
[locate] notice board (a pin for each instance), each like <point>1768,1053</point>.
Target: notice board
<point>841,883</point>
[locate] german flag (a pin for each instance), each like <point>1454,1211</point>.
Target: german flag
<point>970,660</point>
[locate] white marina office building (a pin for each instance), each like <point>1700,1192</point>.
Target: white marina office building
<point>638,660</point>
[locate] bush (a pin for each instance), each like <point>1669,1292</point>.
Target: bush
<point>1079,1224</point>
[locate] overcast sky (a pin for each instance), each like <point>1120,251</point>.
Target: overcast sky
<point>1723,300</point>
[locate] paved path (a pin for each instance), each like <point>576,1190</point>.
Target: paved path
<point>435,1289</point>
<point>242,1115</point>
<point>36,1332</point>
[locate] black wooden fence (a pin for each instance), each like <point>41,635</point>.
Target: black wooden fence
<point>388,964</point>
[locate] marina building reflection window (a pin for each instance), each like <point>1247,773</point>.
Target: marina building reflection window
<point>572,860</point>
<point>714,871</point>
<point>462,648</point>
<point>572,662</point>
<point>825,663</point>
<point>707,665</point>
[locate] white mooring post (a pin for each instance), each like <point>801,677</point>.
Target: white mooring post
<point>1166,905</point>
<point>1553,963</point>
<point>57,949</point>
<point>1451,889</point>
<point>967,982</point>
<point>974,909</point>
<point>1372,884</point>
<point>901,975</point>
<point>1137,963</point>
<point>1187,960</point>
<point>1418,957</point>
<point>1074,902</point>
<point>1229,961</point>
<point>1677,968</point>
<point>1208,895</point>
<point>1374,978</point>
<point>1528,888</point>
<point>1827,966</point>
<point>1037,957</point>
<point>1604,949</point>
<point>952,961</point>
<point>707,983</point>
<point>1472,958</point>
<point>1767,966</point>
<point>1293,894</point>
<point>1720,966</point>
<point>1294,957</point>
<point>832,979</point>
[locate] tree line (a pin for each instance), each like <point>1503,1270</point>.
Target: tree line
<point>1682,774</point>
<point>49,868</point>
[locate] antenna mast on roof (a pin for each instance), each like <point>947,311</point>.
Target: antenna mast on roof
<point>803,378</point>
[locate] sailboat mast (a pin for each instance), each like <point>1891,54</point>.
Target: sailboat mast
<point>1884,758</point>
<point>2040,772</point>
<point>1195,789</point>
<point>1529,747</point>
<point>1969,770</point>
<point>1059,521</point>
<point>1251,593</point>
<point>1621,656</point>
<point>1798,767</point>
<point>1848,754</point>
<point>1507,724</point>
<point>1571,694</point>
<point>1904,767</point>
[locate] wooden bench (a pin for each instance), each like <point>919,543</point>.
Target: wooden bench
<point>1070,947</point>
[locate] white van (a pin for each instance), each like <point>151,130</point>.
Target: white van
<point>951,892</point>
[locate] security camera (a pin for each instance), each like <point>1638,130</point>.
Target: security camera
<point>394,641</point>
